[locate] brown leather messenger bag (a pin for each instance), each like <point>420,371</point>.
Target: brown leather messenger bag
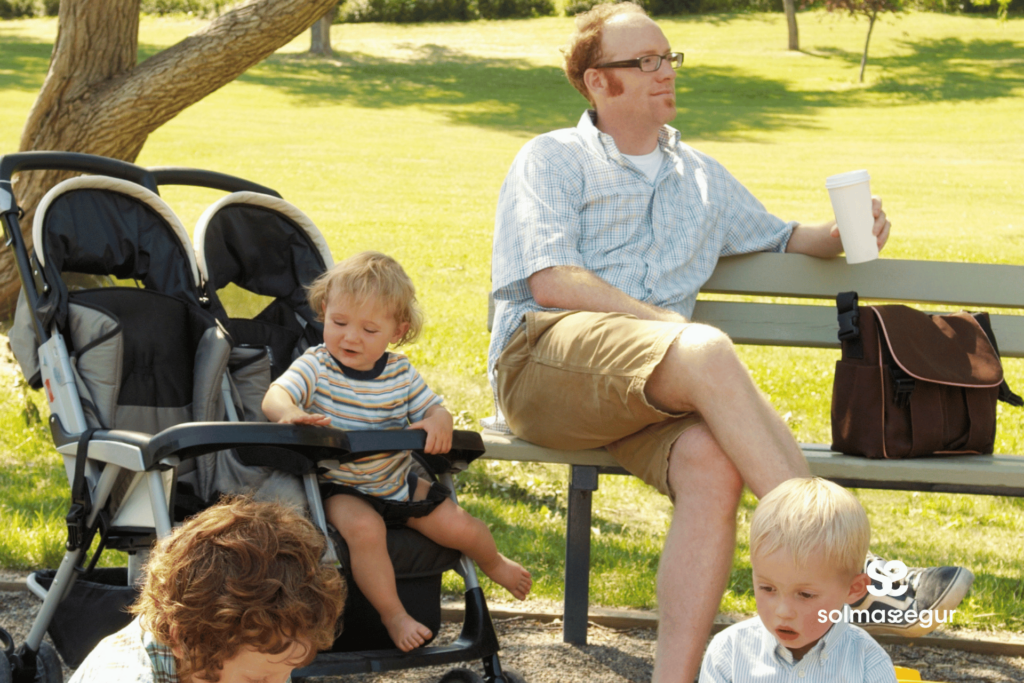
<point>911,384</point>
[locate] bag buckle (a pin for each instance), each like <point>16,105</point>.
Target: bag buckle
<point>76,526</point>
<point>848,312</point>
<point>848,325</point>
<point>904,388</point>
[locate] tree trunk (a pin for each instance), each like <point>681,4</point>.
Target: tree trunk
<point>794,36</point>
<point>96,100</point>
<point>320,34</point>
<point>864,57</point>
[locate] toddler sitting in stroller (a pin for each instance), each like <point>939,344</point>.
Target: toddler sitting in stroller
<point>352,382</point>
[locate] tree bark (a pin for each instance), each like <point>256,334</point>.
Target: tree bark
<point>96,100</point>
<point>794,36</point>
<point>320,34</point>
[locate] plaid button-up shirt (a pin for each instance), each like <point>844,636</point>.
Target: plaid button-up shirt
<point>132,655</point>
<point>572,199</point>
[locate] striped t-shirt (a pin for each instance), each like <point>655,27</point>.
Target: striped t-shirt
<point>391,395</point>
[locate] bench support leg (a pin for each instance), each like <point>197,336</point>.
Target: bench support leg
<point>582,484</point>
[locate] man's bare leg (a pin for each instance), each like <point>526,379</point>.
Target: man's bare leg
<point>742,440</point>
<point>702,373</point>
<point>697,557</point>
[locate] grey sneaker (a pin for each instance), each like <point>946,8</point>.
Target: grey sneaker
<point>932,594</point>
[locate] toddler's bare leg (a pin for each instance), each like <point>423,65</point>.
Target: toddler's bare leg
<point>451,526</point>
<point>364,532</point>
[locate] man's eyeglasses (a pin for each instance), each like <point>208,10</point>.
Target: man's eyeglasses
<point>646,63</point>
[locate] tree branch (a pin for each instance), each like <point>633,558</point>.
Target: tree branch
<point>161,87</point>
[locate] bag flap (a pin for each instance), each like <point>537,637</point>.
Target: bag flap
<point>945,349</point>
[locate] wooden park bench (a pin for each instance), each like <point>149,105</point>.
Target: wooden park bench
<point>940,287</point>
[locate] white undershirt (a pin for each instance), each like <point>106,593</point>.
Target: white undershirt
<point>650,164</point>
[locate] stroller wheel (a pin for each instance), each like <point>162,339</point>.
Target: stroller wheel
<point>48,668</point>
<point>462,676</point>
<point>6,644</point>
<point>5,669</point>
<point>512,676</point>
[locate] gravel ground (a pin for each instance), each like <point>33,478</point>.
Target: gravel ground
<point>536,651</point>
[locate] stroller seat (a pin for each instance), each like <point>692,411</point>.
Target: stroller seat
<point>159,369</point>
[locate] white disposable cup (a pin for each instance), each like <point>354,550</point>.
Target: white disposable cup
<point>851,202</point>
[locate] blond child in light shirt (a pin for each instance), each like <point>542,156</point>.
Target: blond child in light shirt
<point>808,539</point>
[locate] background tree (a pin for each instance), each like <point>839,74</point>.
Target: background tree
<point>794,36</point>
<point>97,100</point>
<point>867,8</point>
<point>320,34</point>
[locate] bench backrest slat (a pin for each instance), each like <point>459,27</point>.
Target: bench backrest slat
<point>967,285</point>
<point>940,286</point>
<point>815,326</point>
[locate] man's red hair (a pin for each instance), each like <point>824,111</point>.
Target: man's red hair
<point>584,48</point>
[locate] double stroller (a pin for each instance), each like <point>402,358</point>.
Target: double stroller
<point>154,393</point>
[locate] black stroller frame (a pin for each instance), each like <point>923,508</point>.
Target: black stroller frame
<point>95,458</point>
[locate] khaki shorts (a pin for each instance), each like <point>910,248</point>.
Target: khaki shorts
<point>573,380</point>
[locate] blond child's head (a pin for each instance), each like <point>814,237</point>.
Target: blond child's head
<point>808,541</point>
<point>806,516</point>
<point>370,276</point>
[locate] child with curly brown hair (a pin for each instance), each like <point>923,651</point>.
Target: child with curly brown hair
<point>236,594</point>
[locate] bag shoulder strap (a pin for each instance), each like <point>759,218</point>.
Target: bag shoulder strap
<point>1006,394</point>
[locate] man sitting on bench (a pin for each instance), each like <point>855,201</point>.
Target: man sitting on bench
<point>605,233</point>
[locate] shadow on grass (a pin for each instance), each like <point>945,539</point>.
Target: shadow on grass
<point>724,102</point>
<point>24,62</point>
<point>714,102</point>
<point>549,497</point>
<point>949,69</point>
<point>510,94</point>
<point>515,95</point>
<point>957,70</point>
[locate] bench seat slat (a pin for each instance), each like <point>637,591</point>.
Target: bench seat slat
<point>994,474</point>
<point>968,285</point>
<point>815,326</point>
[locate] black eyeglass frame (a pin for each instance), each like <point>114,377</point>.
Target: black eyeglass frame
<point>637,63</point>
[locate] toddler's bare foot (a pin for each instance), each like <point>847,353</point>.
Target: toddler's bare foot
<point>510,575</point>
<point>406,632</point>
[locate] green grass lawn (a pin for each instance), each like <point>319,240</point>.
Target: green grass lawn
<point>402,141</point>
